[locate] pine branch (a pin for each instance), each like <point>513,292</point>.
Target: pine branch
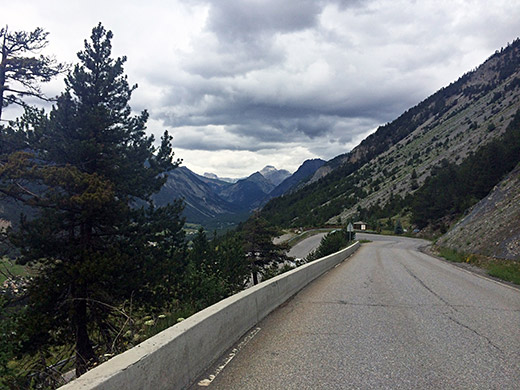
<point>29,93</point>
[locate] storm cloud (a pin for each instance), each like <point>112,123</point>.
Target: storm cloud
<point>243,84</point>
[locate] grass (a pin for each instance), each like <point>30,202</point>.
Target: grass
<point>452,255</point>
<point>8,267</point>
<point>508,270</point>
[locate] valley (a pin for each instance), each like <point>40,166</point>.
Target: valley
<point>220,204</point>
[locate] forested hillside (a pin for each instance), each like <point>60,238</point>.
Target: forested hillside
<point>397,159</point>
<point>451,189</point>
<point>492,228</point>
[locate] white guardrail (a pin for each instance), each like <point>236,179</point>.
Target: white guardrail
<point>177,356</point>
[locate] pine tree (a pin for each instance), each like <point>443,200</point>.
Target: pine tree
<point>259,247</point>
<point>398,227</point>
<point>25,72</point>
<point>90,165</point>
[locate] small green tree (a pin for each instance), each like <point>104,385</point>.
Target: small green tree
<point>260,250</point>
<point>234,266</point>
<point>389,223</point>
<point>398,227</point>
<point>215,270</point>
<point>413,180</point>
<point>331,243</point>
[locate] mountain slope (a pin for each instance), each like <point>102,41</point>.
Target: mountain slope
<point>210,200</point>
<point>248,193</point>
<point>305,171</point>
<point>398,157</point>
<point>201,200</point>
<point>492,228</point>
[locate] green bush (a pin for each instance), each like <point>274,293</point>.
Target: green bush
<point>331,243</point>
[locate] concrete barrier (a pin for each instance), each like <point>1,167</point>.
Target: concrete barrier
<point>176,357</point>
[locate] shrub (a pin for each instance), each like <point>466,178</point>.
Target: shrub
<point>331,243</point>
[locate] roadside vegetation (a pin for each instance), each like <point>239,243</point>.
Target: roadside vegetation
<point>507,270</point>
<point>331,243</point>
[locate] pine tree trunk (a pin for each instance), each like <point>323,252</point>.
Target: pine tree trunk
<point>255,278</point>
<point>3,64</point>
<point>85,355</point>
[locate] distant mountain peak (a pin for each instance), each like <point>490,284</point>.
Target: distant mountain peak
<point>304,172</point>
<point>268,168</point>
<point>275,176</point>
<point>212,176</point>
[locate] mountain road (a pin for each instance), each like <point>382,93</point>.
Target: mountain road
<point>303,248</point>
<point>389,317</point>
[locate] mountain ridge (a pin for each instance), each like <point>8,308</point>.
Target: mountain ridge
<point>396,159</point>
<point>209,199</point>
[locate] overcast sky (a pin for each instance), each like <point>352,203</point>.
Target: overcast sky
<point>244,84</point>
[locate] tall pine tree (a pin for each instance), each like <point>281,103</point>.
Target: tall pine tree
<point>89,170</point>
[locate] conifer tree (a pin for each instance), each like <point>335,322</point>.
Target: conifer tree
<point>87,168</point>
<point>259,247</point>
<point>19,73</point>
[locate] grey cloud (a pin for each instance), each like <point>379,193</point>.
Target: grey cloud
<point>263,74</point>
<point>232,138</point>
<point>345,4</point>
<point>234,58</point>
<point>245,33</point>
<point>245,21</point>
<point>306,114</point>
<point>217,92</point>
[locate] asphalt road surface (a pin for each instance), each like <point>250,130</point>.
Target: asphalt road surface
<point>390,317</point>
<point>303,248</point>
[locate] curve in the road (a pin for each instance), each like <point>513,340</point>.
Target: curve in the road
<point>391,317</point>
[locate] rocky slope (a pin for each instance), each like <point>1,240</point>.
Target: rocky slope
<point>492,227</point>
<point>200,196</point>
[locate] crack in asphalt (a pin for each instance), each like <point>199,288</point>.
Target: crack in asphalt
<point>475,332</point>
<point>410,306</point>
<point>429,289</point>
<point>453,307</point>
<point>340,302</point>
